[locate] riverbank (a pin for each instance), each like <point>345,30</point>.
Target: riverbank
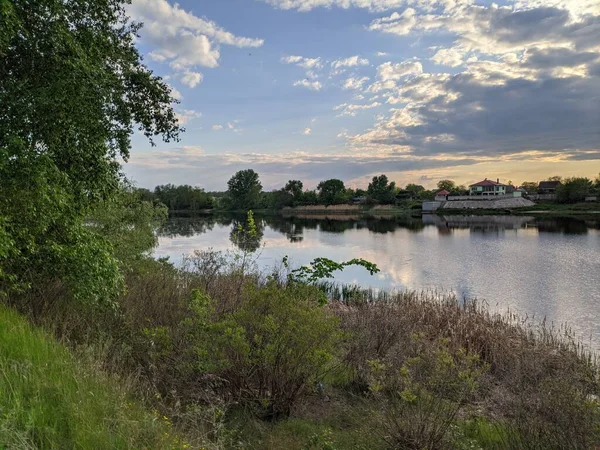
<point>258,359</point>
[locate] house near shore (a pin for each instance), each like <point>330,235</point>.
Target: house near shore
<point>442,196</point>
<point>488,188</point>
<point>548,187</point>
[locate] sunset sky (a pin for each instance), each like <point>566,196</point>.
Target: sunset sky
<point>419,90</point>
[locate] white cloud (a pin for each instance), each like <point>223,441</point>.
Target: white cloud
<point>352,61</point>
<point>307,131</point>
<point>307,5</point>
<point>313,120</point>
<point>180,38</point>
<point>175,93</point>
<point>351,110</point>
<point>355,83</point>
<point>186,115</point>
<point>381,54</point>
<point>306,63</point>
<point>312,85</point>
<point>191,79</point>
<point>393,72</point>
<point>448,57</point>
<point>400,24</point>
<point>217,127</point>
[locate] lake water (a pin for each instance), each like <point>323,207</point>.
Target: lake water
<point>540,267</point>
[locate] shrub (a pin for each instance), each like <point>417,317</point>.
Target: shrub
<point>275,344</point>
<point>422,391</point>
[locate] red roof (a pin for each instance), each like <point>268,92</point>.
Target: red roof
<point>487,182</point>
<point>443,192</point>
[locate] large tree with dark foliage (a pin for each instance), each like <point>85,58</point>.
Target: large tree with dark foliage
<point>244,190</point>
<point>332,192</point>
<point>73,90</point>
<point>380,190</point>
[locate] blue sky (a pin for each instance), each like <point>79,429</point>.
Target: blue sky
<point>421,90</point>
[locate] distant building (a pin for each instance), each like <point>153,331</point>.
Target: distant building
<point>359,200</point>
<point>442,196</point>
<point>488,188</point>
<point>548,187</point>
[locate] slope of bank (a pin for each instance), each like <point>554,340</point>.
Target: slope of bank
<point>50,400</point>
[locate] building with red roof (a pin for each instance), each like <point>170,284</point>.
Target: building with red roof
<point>488,187</point>
<point>442,195</point>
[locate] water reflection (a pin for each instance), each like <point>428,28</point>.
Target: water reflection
<point>293,227</point>
<point>538,266</point>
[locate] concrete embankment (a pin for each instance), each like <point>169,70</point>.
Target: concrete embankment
<point>506,203</point>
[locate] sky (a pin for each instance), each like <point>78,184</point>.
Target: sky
<point>421,90</point>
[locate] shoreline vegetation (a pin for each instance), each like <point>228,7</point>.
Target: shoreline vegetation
<point>236,358</point>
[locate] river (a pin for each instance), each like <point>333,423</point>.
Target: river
<point>538,267</point>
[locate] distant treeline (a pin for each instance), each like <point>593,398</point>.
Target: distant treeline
<point>245,192</point>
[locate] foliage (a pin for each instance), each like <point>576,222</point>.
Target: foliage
<point>321,268</point>
<point>49,400</point>
<point>380,190</point>
<point>530,186</point>
<point>128,223</point>
<point>448,185</point>
<point>244,190</point>
<point>247,235</point>
<point>183,198</point>
<point>422,392</point>
<point>294,188</point>
<point>72,89</point>
<point>275,344</point>
<point>573,190</point>
<point>332,192</point>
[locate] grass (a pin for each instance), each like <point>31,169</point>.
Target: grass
<point>48,400</point>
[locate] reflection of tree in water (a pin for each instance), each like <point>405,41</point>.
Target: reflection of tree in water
<point>566,225</point>
<point>337,226</point>
<point>289,227</point>
<point>239,236</point>
<point>186,226</point>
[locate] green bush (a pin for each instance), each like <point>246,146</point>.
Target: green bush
<point>422,392</point>
<point>270,349</point>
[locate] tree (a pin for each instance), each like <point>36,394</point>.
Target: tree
<point>414,188</point>
<point>448,185</point>
<point>597,182</point>
<point>332,192</point>
<point>72,89</point>
<point>244,189</point>
<point>573,190</point>
<point>555,178</point>
<point>531,187</point>
<point>294,188</point>
<point>381,190</point>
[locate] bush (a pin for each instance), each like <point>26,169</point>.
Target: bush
<point>422,391</point>
<point>275,344</point>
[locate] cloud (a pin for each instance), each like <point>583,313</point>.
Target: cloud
<point>312,85</point>
<point>528,84</point>
<point>175,93</point>
<point>394,72</point>
<point>306,63</point>
<point>180,38</point>
<point>307,131</point>
<point>400,24</point>
<point>351,110</point>
<point>191,79</point>
<point>217,127</point>
<point>150,168</point>
<point>355,83</point>
<point>186,115</point>
<point>381,54</point>
<point>340,65</point>
<point>307,5</point>
<point>448,57</point>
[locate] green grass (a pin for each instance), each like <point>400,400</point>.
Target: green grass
<point>48,400</point>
